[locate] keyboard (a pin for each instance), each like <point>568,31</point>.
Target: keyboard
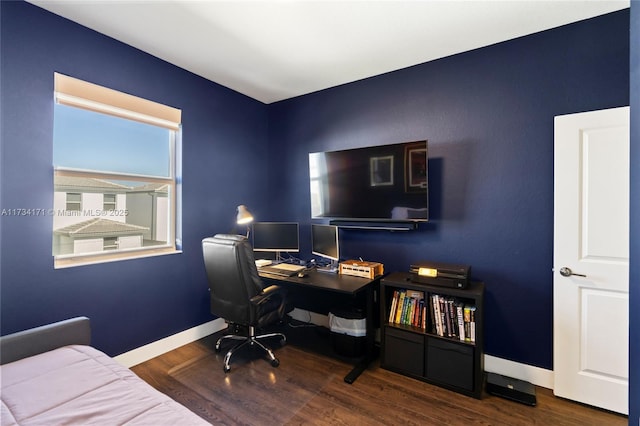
<point>289,267</point>
<point>282,269</point>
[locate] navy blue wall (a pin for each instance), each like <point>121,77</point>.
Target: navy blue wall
<point>133,302</point>
<point>488,116</point>
<point>634,252</point>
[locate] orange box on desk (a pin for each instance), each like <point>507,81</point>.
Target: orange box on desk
<point>361,268</point>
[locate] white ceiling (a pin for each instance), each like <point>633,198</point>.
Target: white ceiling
<point>272,50</point>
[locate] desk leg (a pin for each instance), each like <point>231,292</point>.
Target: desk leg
<point>363,364</point>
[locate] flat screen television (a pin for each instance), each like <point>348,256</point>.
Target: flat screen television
<point>276,236</point>
<point>377,183</point>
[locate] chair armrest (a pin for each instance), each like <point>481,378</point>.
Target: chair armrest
<point>267,294</point>
<point>34,341</point>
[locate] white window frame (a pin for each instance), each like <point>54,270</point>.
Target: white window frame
<point>73,202</point>
<point>80,94</point>
<point>109,205</point>
<point>110,246</point>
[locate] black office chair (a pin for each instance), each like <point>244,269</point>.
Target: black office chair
<point>238,294</point>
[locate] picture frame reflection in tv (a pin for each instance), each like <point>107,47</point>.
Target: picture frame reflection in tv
<point>415,168</point>
<point>381,170</point>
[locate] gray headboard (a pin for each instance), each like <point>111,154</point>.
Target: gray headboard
<point>74,331</point>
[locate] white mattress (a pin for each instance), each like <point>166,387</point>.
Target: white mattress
<point>79,385</point>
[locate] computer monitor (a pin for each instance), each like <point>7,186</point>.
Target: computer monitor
<point>325,242</point>
<point>276,237</point>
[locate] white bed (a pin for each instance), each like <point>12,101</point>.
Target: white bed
<point>79,385</point>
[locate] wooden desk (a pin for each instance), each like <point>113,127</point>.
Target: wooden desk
<point>344,284</point>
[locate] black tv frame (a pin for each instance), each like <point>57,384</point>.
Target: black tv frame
<point>399,195</point>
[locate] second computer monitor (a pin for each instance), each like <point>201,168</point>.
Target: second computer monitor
<point>276,237</point>
<point>324,241</point>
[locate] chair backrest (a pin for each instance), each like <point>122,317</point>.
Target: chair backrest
<point>233,276</point>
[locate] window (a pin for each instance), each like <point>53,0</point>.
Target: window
<point>109,202</point>
<point>110,243</point>
<point>116,173</point>
<point>74,201</point>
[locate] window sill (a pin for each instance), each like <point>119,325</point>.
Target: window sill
<point>93,259</point>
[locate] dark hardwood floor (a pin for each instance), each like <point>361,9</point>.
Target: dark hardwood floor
<point>308,388</point>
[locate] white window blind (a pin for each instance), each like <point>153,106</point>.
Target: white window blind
<point>81,94</point>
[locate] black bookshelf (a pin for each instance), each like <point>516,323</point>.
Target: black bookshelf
<point>449,352</point>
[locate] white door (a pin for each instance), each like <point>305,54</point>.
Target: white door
<point>591,258</point>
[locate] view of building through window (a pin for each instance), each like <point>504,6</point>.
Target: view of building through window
<point>134,217</point>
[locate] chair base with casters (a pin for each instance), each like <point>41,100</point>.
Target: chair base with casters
<point>250,339</point>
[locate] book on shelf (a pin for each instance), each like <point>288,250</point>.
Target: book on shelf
<point>407,308</point>
<point>394,303</point>
<point>437,318</point>
<point>460,315</point>
<point>442,315</point>
<point>452,323</point>
<point>400,306</point>
<point>472,324</point>
<point>452,318</point>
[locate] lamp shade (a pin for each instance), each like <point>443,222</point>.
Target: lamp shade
<point>244,216</point>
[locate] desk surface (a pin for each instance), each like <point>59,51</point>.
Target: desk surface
<point>324,281</point>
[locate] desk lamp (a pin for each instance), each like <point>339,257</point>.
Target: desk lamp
<point>244,217</point>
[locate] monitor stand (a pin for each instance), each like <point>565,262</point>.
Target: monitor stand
<point>331,268</point>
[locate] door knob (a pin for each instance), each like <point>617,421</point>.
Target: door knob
<point>567,272</point>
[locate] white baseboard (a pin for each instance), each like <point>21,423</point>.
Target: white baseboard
<point>535,375</point>
<point>159,347</point>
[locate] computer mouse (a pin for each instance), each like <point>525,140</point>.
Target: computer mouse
<point>303,274</point>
